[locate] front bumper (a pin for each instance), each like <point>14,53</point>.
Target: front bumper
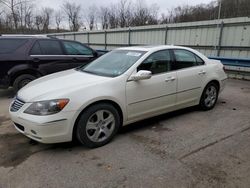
<point>45,129</point>
<point>223,84</point>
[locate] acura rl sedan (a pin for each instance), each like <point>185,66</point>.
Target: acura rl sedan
<point>126,85</point>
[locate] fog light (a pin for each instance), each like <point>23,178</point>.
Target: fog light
<point>33,132</point>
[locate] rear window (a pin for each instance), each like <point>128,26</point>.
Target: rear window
<point>50,47</point>
<point>36,50</point>
<point>74,48</point>
<point>10,45</point>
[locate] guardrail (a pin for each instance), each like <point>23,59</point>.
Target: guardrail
<point>236,68</point>
<point>233,61</point>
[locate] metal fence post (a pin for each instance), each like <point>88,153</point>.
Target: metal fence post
<point>166,35</point>
<point>129,37</point>
<point>74,35</point>
<point>220,38</point>
<point>88,38</point>
<point>105,39</point>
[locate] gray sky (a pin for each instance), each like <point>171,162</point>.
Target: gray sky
<point>164,5</point>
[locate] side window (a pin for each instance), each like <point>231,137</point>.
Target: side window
<point>10,45</point>
<point>199,61</point>
<point>185,59</point>
<point>36,50</point>
<point>50,47</point>
<point>158,62</point>
<point>74,48</point>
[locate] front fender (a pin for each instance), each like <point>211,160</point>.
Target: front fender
<point>104,98</point>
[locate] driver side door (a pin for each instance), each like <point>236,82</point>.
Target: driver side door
<point>146,98</point>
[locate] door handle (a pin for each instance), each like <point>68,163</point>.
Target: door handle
<point>202,72</point>
<point>170,79</point>
<point>36,60</point>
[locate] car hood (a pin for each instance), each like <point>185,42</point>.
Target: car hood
<point>58,84</point>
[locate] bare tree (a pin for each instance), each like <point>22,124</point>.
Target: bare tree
<point>46,18</point>
<point>16,8</point>
<point>91,17</point>
<point>29,19</point>
<point>19,15</point>
<point>12,4</point>
<point>112,17</point>
<point>38,22</point>
<point>144,15</point>
<point>1,20</point>
<point>72,10</point>
<point>58,19</point>
<point>124,13</point>
<point>24,13</point>
<point>103,15</point>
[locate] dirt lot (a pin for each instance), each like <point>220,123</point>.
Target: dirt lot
<point>188,148</point>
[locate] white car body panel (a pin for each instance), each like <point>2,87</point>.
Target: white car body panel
<point>147,97</point>
<point>136,99</point>
<point>190,85</point>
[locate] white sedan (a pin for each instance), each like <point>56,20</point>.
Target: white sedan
<point>126,85</point>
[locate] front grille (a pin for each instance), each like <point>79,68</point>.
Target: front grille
<point>20,127</point>
<point>16,105</point>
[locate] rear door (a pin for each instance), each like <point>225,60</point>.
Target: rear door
<point>48,56</point>
<point>78,53</point>
<point>191,73</point>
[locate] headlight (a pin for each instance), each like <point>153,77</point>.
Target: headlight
<point>43,108</point>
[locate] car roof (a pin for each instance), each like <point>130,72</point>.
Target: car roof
<point>7,36</point>
<point>152,48</point>
<point>21,35</point>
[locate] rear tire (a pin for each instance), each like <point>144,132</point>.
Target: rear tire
<point>22,80</point>
<point>97,125</point>
<point>209,96</point>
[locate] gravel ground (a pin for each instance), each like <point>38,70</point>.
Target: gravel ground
<point>187,148</point>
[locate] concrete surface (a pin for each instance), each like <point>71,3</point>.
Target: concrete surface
<point>188,148</point>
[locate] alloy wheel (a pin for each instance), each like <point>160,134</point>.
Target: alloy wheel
<point>100,126</point>
<point>210,96</point>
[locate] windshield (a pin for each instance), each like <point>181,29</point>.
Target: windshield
<point>113,63</point>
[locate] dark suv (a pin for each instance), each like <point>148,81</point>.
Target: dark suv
<point>25,58</point>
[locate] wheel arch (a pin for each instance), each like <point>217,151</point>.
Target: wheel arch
<point>214,81</point>
<point>107,101</point>
<point>205,85</point>
<point>18,73</point>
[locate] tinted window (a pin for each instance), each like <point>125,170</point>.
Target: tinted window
<point>158,62</point>
<point>185,59</point>
<point>10,45</point>
<point>50,47</point>
<point>74,48</point>
<point>36,50</point>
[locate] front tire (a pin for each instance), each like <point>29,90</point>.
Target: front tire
<point>209,96</point>
<point>98,125</point>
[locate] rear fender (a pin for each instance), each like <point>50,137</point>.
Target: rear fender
<point>22,69</point>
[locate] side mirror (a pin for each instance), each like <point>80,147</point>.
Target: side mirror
<point>141,75</point>
<point>95,54</point>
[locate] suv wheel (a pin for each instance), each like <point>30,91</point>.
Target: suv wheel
<point>98,125</point>
<point>22,80</point>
